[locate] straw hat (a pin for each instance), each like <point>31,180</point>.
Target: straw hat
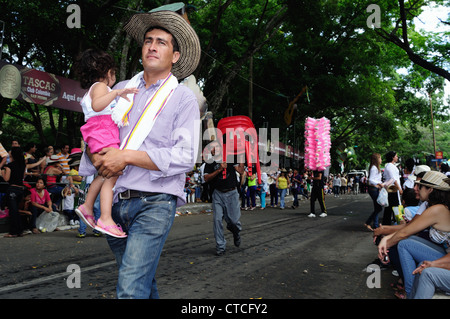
<point>435,180</point>
<point>184,34</point>
<point>53,159</point>
<point>74,163</point>
<point>447,180</point>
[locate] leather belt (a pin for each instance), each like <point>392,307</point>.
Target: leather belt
<point>226,190</point>
<point>130,193</point>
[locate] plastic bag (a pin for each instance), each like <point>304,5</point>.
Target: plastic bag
<point>47,222</point>
<point>399,213</point>
<point>383,198</point>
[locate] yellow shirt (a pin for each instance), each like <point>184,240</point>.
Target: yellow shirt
<point>74,172</point>
<point>251,182</point>
<point>282,182</point>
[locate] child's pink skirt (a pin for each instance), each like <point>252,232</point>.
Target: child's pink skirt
<point>99,132</point>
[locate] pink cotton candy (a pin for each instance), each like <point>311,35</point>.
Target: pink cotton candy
<point>317,143</point>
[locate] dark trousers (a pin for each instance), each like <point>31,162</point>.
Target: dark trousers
<point>388,214</point>
<point>251,195</point>
<point>206,194</point>
<point>55,194</point>
<point>14,197</point>
<point>273,194</point>
<point>295,194</point>
<point>318,194</point>
<point>35,212</point>
<point>373,218</point>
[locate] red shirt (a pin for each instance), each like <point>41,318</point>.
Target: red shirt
<point>35,198</point>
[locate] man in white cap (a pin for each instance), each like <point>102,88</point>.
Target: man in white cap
<point>159,132</point>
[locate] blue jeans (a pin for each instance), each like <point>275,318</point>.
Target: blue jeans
<point>431,278</point>
<point>225,207</point>
<point>282,193</point>
<point>57,197</point>
<point>336,190</point>
<point>198,192</point>
<point>147,221</point>
<point>374,192</point>
<point>412,252</point>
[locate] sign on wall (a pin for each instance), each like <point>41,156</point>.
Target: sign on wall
<point>38,87</point>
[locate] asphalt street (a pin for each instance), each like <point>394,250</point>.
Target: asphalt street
<point>284,255</point>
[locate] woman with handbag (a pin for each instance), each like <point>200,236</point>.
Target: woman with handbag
<point>375,184</point>
<point>391,172</point>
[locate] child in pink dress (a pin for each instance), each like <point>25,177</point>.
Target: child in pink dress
<point>97,72</point>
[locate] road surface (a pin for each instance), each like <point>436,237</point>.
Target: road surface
<point>284,255</point>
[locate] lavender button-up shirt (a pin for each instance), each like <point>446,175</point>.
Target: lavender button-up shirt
<point>172,144</point>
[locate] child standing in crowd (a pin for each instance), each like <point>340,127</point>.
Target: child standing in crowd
<point>69,194</point>
<point>96,70</point>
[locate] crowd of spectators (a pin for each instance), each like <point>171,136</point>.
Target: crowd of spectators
<point>414,237</point>
<point>50,183</point>
<point>295,182</point>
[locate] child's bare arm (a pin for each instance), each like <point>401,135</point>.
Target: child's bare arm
<point>102,97</point>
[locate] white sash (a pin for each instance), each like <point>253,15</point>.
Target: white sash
<point>153,107</point>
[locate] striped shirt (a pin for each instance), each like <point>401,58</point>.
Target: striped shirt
<point>64,161</point>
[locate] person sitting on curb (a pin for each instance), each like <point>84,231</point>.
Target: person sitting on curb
<point>413,249</point>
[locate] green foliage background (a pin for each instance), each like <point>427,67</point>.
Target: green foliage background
<point>274,48</point>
